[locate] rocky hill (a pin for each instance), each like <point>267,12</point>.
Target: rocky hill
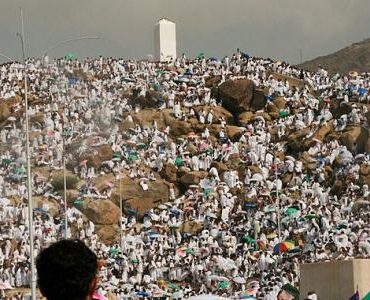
<point>352,58</point>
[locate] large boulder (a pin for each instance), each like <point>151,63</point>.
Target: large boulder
<point>169,172</point>
<point>355,138</point>
<point>103,212</point>
<point>280,103</point>
<point>295,140</point>
<point>237,95</point>
<point>233,161</point>
<point>245,117</point>
<point>338,108</point>
<point>130,189</point>
<point>6,107</point>
<point>49,205</point>
<point>108,234</point>
<point>58,180</point>
<point>259,100</point>
<point>140,205</point>
<point>193,177</point>
<point>150,100</point>
<point>212,83</point>
<point>146,117</point>
<point>191,227</point>
<point>323,131</point>
<point>5,111</point>
<point>220,167</point>
<point>218,113</point>
<point>234,132</point>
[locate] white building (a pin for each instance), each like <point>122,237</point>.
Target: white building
<point>164,40</point>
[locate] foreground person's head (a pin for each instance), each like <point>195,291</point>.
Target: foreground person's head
<point>67,270</point>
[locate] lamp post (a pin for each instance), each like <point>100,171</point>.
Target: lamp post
<point>29,180</point>
<point>84,37</point>
<point>119,177</point>
<point>7,57</point>
<point>277,196</point>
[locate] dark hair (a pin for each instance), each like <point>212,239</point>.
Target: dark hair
<point>66,270</point>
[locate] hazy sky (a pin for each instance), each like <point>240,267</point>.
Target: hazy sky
<point>268,28</point>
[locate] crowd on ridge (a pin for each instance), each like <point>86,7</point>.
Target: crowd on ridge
<point>254,228</point>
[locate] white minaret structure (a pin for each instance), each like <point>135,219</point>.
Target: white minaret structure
<point>165,40</point>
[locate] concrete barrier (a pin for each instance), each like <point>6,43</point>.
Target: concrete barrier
<point>335,280</point>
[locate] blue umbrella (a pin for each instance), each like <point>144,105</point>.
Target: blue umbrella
<point>142,294</point>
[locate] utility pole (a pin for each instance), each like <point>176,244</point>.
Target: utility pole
<point>277,196</point>
<point>29,179</point>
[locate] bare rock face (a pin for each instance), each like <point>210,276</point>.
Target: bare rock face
<point>220,167</point>
<point>237,95</point>
<point>258,101</point>
<point>245,118</point>
<point>4,111</point>
<point>234,132</point>
<point>280,103</point>
<point>218,112</point>
<point>6,107</point>
<point>139,205</point>
<point>193,177</point>
<point>51,206</point>
<point>108,233</point>
<point>103,212</point>
<point>132,193</point>
<point>169,172</point>
<point>356,139</point>
<point>150,100</point>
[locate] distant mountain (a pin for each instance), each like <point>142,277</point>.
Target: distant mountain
<point>352,58</point>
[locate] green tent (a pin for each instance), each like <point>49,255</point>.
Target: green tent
<point>367,297</point>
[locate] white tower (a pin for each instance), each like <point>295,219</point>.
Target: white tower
<point>165,40</point>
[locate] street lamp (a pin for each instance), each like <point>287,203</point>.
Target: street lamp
<point>7,57</point>
<point>119,177</point>
<point>277,195</point>
<point>29,180</point>
<point>83,37</point>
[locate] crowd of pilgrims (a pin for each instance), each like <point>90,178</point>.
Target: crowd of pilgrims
<point>233,253</point>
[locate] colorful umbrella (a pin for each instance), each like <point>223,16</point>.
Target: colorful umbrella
<point>291,211</point>
<point>283,246</point>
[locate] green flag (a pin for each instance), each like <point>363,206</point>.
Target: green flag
<point>70,56</point>
<point>200,55</point>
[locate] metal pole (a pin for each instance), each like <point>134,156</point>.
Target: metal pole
<point>277,198</point>
<point>7,57</point>
<point>66,235</point>
<point>29,180</point>
<point>84,37</point>
<point>120,210</point>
